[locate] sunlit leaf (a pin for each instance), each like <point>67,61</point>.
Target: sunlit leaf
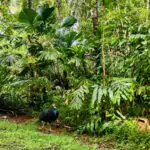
<point>110,93</point>
<point>44,11</point>
<point>100,94</point>
<point>68,21</point>
<point>95,94</point>
<point>27,16</point>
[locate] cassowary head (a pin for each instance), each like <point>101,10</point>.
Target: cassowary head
<point>54,108</point>
<point>53,105</point>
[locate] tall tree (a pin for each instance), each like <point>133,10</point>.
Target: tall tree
<point>59,7</point>
<point>94,15</point>
<point>103,53</point>
<point>148,9</point>
<point>29,3</point>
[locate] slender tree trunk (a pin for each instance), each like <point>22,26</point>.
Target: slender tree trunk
<point>29,2</point>
<point>103,58</point>
<point>59,7</point>
<point>103,48</point>
<point>148,9</point>
<point>94,15</point>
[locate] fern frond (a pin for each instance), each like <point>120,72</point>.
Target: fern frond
<point>95,94</point>
<point>49,54</point>
<point>78,96</point>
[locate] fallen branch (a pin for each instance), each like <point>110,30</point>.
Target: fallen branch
<point>68,127</point>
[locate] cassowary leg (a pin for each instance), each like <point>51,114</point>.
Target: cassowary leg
<point>43,124</point>
<point>57,121</point>
<point>50,129</point>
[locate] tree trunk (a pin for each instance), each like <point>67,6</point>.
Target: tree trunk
<point>59,7</point>
<point>94,15</point>
<point>148,9</point>
<point>29,2</point>
<point>103,50</point>
<point>103,58</point>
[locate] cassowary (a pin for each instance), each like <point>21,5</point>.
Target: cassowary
<point>49,115</point>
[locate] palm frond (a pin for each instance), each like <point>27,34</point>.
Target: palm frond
<point>78,97</point>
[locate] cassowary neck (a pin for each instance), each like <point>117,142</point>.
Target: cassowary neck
<point>55,110</point>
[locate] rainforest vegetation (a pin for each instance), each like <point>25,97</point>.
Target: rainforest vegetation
<point>89,57</point>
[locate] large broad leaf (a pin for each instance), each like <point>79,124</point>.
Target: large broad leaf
<point>44,11</point>
<point>110,4</point>
<point>100,94</point>
<point>71,37</point>
<point>95,94</point>
<point>27,16</point>
<point>68,21</point>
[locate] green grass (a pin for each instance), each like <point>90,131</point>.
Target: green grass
<point>27,137</point>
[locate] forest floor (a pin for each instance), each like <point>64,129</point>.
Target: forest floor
<point>23,132</point>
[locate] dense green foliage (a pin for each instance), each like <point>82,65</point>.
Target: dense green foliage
<point>50,53</point>
<point>127,135</point>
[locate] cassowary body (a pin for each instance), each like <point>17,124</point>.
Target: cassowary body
<point>49,115</point>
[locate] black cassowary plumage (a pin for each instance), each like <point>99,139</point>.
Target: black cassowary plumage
<point>49,115</point>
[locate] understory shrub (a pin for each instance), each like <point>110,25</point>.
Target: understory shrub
<point>128,134</point>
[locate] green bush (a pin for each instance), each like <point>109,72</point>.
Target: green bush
<point>130,136</point>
